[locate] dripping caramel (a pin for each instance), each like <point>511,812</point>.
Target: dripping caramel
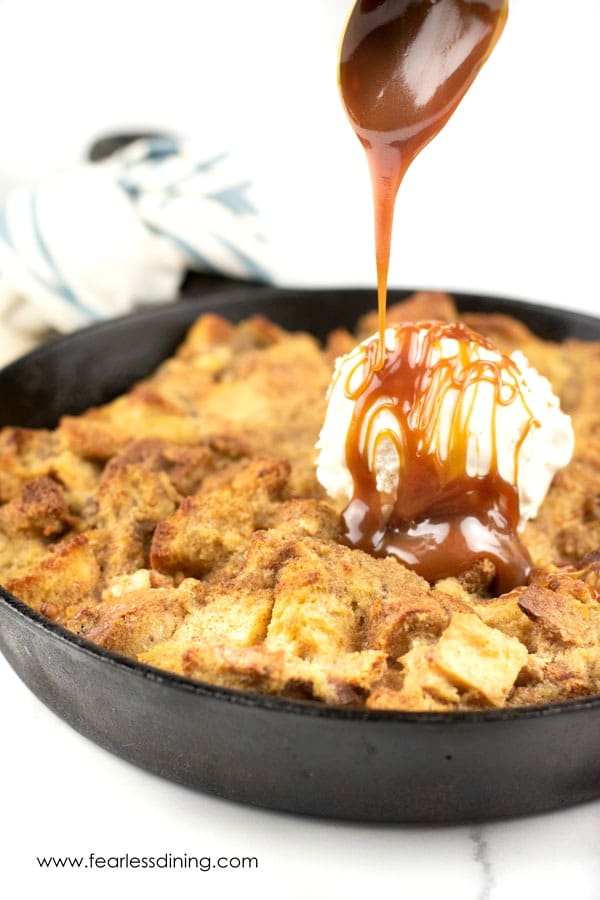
<point>447,513</point>
<point>404,67</point>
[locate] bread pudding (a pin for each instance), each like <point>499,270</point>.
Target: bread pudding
<point>183,526</point>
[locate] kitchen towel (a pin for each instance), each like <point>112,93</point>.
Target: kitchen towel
<point>102,238</point>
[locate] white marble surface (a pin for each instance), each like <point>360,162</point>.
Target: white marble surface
<point>524,224</point>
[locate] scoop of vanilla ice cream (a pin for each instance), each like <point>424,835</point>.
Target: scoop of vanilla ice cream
<point>532,410</point>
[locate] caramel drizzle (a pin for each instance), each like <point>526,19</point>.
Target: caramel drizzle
<point>404,67</point>
<point>443,519</point>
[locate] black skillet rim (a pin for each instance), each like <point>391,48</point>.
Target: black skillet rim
<point>273,702</point>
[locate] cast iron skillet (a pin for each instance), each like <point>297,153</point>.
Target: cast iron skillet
<point>302,757</point>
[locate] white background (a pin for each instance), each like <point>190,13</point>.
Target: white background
<point>505,201</point>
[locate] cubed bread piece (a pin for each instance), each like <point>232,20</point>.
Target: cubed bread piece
<point>572,673</point>
<point>137,623</point>
<point>66,577</point>
<point>134,494</point>
<point>188,466</point>
<point>323,596</point>
<point>560,615</point>
<point>341,682</point>
<point>212,525</point>
<point>422,677</point>
<point>101,433</point>
<point>237,604</point>
<point>476,657</point>
<point>413,611</point>
<point>305,518</point>
<point>27,524</point>
<point>40,508</point>
<point>26,454</point>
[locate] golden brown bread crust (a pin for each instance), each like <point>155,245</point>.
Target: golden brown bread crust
<point>182,524</point>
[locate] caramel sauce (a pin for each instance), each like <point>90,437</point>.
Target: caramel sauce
<point>442,519</point>
<point>404,67</point>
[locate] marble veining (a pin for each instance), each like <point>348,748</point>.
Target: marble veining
<point>481,856</point>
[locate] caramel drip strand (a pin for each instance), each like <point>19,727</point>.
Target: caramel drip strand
<point>433,387</point>
<point>404,67</point>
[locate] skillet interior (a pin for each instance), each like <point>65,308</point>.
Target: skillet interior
<point>267,751</point>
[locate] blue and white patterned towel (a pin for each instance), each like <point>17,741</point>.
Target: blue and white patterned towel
<point>95,241</point>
